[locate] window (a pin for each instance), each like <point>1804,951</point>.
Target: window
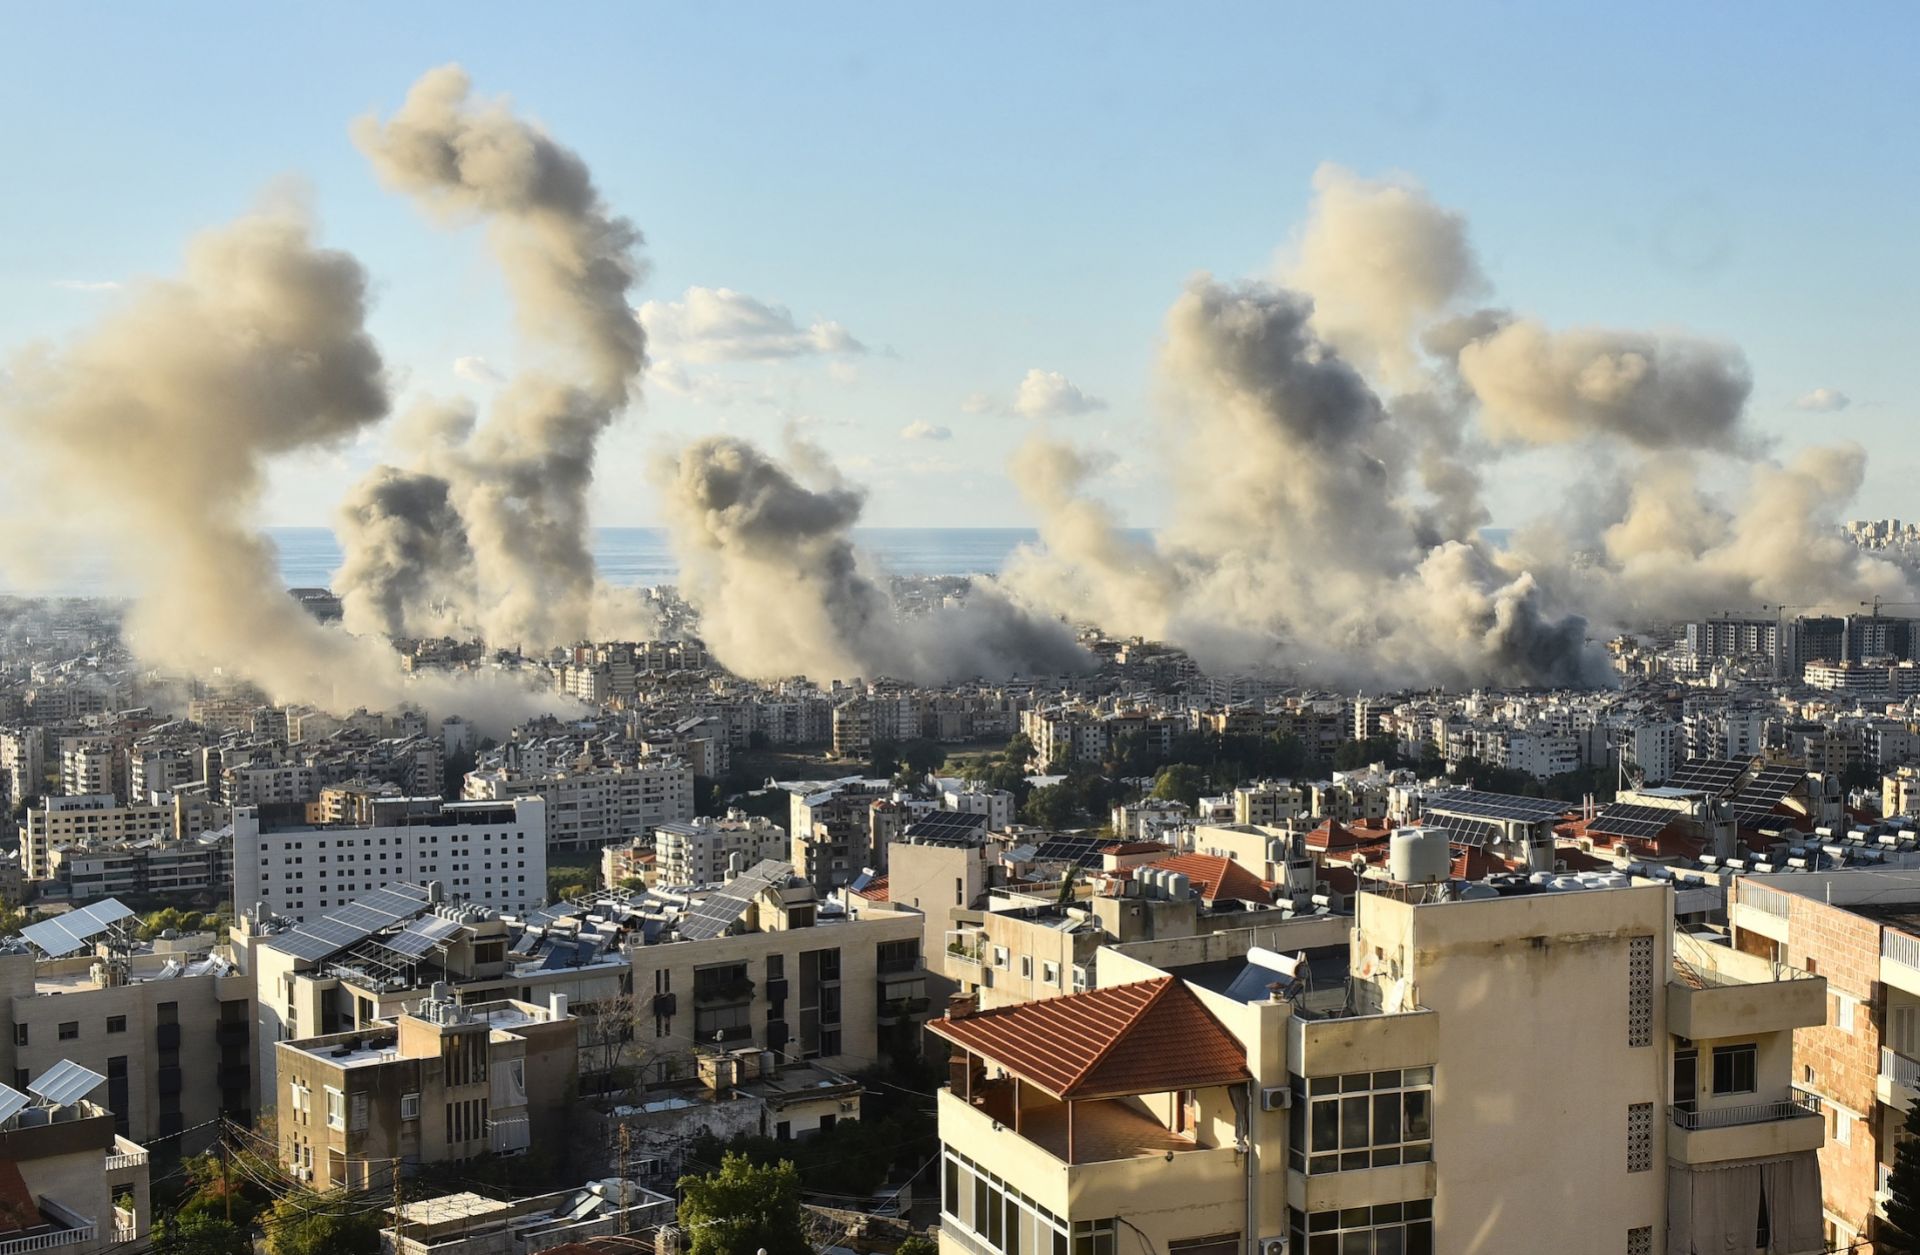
<point>19,1034</point>
<point>1842,1127</point>
<point>409,1106</point>
<point>1026,967</point>
<point>999,956</point>
<point>1362,1120</point>
<point>1399,1228</point>
<point>116,1024</point>
<point>1003,1219</point>
<point>336,1108</point>
<point>1735,1068</point>
<point>69,1029</point>
<point>1050,973</point>
<point>1845,1018</point>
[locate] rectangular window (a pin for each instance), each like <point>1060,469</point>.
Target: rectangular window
<point>116,1024</point>
<point>1026,967</point>
<point>1735,1068</point>
<point>69,1029</point>
<point>336,1108</point>
<point>19,1034</point>
<point>1383,1229</point>
<point>1362,1120</point>
<point>409,1106</point>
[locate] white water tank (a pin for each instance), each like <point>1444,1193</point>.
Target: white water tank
<point>1420,856</point>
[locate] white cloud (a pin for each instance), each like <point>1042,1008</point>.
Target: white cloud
<point>921,429</point>
<point>1824,401</point>
<point>979,403</point>
<point>722,325</point>
<point>87,285</point>
<point>477,370</point>
<point>1050,394</point>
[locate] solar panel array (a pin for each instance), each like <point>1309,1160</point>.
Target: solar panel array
<point>1758,799</point>
<point>1507,806</point>
<point>66,1083</point>
<point>351,924</point>
<point>421,936</point>
<point>1625,819</point>
<point>723,909</point>
<point>12,1103</point>
<point>948,828</point>
<point>72,931</point>
<point>1465,829</point>
<point>1082,852</point>
<point>1709,775</point>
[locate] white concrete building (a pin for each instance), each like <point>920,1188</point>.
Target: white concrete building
<point>597,806</point>
<point>705,850</point>
<point>490,853</point>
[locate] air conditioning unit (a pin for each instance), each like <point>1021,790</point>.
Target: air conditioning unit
<point>1273,1246</point>
<point>1276,1098</point>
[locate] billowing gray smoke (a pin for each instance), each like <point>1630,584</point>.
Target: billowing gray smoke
<point>1322,451</point>
<point>518,483</point>
<point>162,420</point>
<point>770,565</point>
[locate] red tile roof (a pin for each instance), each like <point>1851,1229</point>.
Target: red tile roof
<point>875,890</point>
<point>1145,1038</point>
<point>1215,877</point>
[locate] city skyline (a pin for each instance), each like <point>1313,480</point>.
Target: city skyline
<point>1041,208</point>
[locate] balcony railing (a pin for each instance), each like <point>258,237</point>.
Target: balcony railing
<point>1766,901</point>
<point>125,1154</point>
<point>1751,1113</point>
<point>48,1241</point>
<point>1901,948</point>
<point>1902,1069</point>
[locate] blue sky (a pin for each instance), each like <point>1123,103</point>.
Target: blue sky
<point>973,192</point>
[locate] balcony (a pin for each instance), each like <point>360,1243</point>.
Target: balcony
<point>1714,1135</point>
<point>125,1154</point>
<point>1900,961</point>
<point>1119,1156</point>
<point>232,1032</point>
<point>1899,1080</point>
<point>74,1230</point>
<point>1335,1044</point>
<point>166,1036</point>
<point>1717,991</point>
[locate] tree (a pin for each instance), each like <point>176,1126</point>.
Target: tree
<point>917,1245</point>
<point>1901,1234</point>
<point>885,760</point>
<point>1180,782</point>
<point>322,1224</point>
<point>741,1209</point>
<point>1051,807</point>
<point>922,756</point>
<point>200,1234</point>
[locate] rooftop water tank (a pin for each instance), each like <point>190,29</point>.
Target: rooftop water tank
<point>1420,856</point>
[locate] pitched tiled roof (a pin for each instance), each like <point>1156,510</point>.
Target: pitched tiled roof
<point>1145,1038</point>
<point>1215,877</point>
<point>874,890</point>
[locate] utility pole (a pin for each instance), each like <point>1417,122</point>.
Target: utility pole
<point>625,1145</point>
<point>226,1185</point>
<point>399,1203</point>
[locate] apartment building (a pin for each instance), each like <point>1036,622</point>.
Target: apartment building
<point>22,764</point>
<point>1270,803</point>
<point>268,784</point>
<point>90,765</point>
<point>84,819</point>
<point>490,853</point>
<point>1536,1072</point>
<point>201,868</point>
<point>830,828</point>
<point>474,1224</point>
<point>598,806</point>
<point>68,1172</point>
<point>444,1082</point>
<point>1900,791</point>
<point>705,850</point>
<point>1861,1060</point>
<point>167,1023</point>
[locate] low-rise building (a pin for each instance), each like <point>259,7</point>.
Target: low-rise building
<point>443,1082</point>
<point>473,1224</point>
<point>68,1181</point>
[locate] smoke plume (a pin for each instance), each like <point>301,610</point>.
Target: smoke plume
<point>1322,451</point>
<point>164,419</point>
<point>518,483</point>
<point>770,565</point>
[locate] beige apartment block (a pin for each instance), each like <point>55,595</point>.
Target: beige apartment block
<point>443,1083</point>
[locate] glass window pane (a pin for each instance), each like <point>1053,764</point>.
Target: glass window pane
<point>1386,1080</point>
<point>1418,1076</point>
<point>1388,1213</point>
<point>1390,1241</point>
<point>1420,1238</point>
<point>1386,1119</point>
<point>1326,1125</point>
<point>1356,1082</point>
<point>1323,1244</point>
<point>1420,1209</point>
<point>1320,1221</point>
<point>1355,1218</point>
<point>1353,1122</point>
<point>1354,1160</point>
<point>1419,1115</point>
<point>1417,1152</point>
<point>1386,1158</point>
<point>1323,1163</point>
<point>1359,1242</point>
<point>1324,1085</point>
